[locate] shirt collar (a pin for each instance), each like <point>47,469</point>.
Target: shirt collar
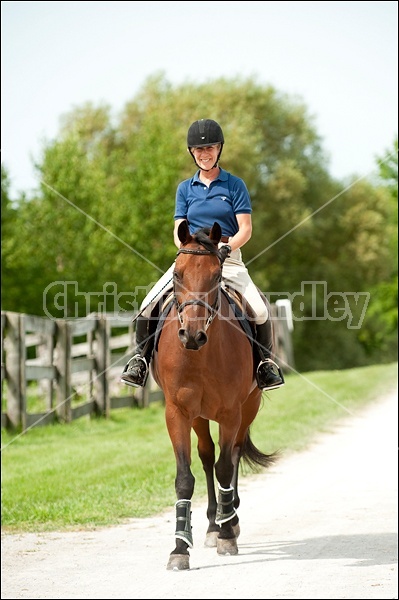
<point>222,176</point>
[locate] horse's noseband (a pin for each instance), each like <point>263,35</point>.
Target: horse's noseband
<point>212,309</point>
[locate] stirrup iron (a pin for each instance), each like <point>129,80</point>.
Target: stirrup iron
<point>278,373</point>
<point>143,360</point>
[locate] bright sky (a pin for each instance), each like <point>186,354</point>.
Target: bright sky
<point>339,58</point>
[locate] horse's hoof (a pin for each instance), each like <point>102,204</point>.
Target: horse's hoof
<point>227,547</point>
<point>211,539</point>
<point>178,562</point>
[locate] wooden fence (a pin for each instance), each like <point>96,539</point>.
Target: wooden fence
<point>76,364</point>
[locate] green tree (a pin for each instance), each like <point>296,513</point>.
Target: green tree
<point>379,337</point>
<point>20,270</point>
<point>104,211</point>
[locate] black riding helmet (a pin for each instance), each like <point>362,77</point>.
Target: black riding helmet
<point>202,133</point>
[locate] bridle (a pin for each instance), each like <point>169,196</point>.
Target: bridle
<point>212,309</point>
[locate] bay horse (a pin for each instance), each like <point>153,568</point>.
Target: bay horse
<point>203,362</point>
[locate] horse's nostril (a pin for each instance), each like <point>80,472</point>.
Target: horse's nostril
<point>192,341</point>
<point>183,336</point>
<point>201,338</point>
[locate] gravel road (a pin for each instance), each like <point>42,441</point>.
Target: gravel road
<point>321,524</point>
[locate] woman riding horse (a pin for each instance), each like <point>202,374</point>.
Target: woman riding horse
<point>211,195</point>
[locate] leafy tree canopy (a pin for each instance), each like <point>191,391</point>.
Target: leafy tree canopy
<point>104,211</point>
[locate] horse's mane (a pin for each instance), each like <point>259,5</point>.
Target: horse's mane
<point>202,237</point>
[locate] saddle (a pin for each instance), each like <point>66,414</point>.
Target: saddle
<point>244,314</point>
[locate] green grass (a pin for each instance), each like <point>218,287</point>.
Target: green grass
<point>97,472</point>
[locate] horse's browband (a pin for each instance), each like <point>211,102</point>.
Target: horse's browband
<point>193,251</point>
<point>203,252</point>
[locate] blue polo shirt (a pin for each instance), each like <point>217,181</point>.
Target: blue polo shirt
<point>226,197</point>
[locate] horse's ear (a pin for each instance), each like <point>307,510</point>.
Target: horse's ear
<point>183,232</point>
<point>215,233</point>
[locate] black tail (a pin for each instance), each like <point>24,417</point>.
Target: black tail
<point>254,458</point>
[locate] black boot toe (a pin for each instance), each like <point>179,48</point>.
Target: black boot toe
<point>136,372</point>
<point>269,376</point>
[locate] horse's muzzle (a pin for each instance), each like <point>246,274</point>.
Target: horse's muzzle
<point>190,341</point>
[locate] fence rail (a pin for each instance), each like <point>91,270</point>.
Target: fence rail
<point>69,359</point>
<point>76,364</point>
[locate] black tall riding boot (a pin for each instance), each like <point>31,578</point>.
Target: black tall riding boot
<point>136,371</point>
<point>268,373</point>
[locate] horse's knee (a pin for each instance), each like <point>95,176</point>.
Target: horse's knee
<point>184,485</point>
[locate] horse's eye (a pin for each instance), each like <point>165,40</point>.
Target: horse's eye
<point>176,276</point>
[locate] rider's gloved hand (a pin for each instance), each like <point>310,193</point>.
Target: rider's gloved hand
<point>224,251</point>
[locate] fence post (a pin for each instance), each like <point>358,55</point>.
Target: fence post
<point>102,359</point>
<point>15,370</point>
<point>283,314</point>
<point>63,364</point>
